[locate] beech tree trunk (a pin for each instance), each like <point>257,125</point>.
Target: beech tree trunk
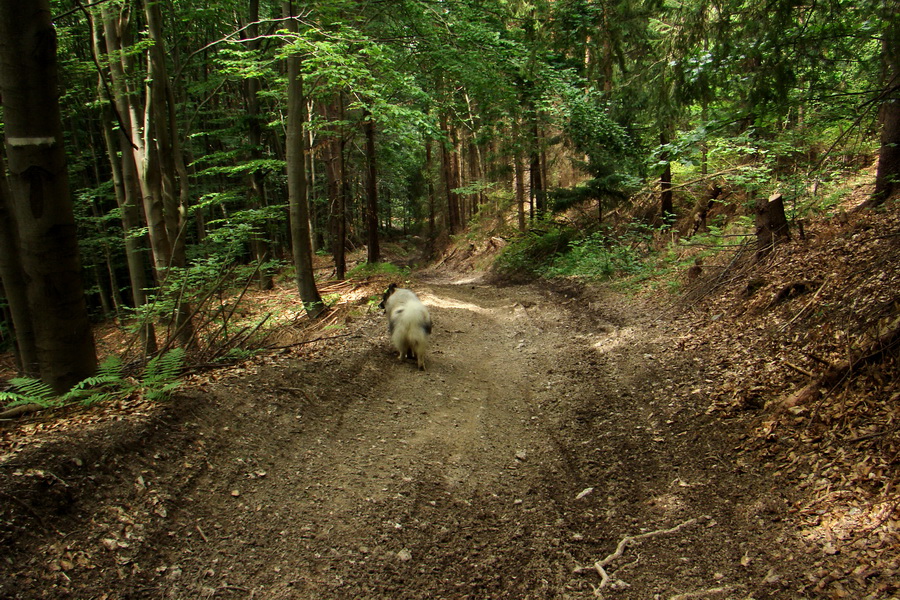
<point>125,181</point>
<point>296,177</point>
<point>40,202</point>
<point>13,280</point>
<point>449,182</point>
<point>429,159</point>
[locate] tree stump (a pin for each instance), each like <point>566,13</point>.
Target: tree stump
<point>771,224</point>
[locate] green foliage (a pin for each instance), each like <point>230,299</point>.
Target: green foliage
<point>157,383</point>
<point>530,253</point>
<point>561,251</point>
<point>160,375</point>
<point>28,390</point>
<point>601,255</point>
<point>363,270</point>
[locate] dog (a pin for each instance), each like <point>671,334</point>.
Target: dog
<point>409,323</point>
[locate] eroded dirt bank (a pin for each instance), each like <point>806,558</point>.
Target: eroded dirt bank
<point>548,427</point>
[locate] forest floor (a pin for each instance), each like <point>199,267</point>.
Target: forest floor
<point>565,441</point>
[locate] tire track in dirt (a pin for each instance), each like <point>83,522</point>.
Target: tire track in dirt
<point>547,426</point>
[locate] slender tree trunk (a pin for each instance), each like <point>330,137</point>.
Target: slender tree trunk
<point>334,177</point>
<point>447,176</point>
<point>344,195</point>
<point>537,182</point>
<point>666,206</point>
<point>374,251</point>
<point>519,167</point>
<point>126,185</point>
<point>40,199</point>
<point>257,186</point>
<point>459,202</point>
<point>162,198</point>
<point>432,201</point>
<point>296,176</point>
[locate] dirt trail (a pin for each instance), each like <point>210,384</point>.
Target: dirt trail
<point>547,427</point>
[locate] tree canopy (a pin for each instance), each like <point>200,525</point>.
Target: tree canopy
<point>191,128</point>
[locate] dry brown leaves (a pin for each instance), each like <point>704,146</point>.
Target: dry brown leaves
<point>775,327</point>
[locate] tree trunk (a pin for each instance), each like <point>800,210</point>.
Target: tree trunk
<point>256,184</point>
<point>519,167</point>
<point>162,198</point>
<point>447,177</point>
<point>771,224</point>
<point>40,200</point>
<point>333,177</point>
<point>432,200</point>
<point>296,178</point>
<point>374,252</point>
<point>126,185</point>
<point>887,178</point>
<point>666,204</point>
<point>14,285</point>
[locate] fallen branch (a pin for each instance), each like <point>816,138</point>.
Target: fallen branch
<point>22,409</point>
<point>632,540</point>
<point>838,373</point>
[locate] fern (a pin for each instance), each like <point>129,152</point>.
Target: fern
<point>159,381</point>
<point>109,374</point>
<point>160,376</point>
<point>29,391</point>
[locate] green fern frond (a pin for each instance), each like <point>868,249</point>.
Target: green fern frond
<point>110,367</point>
<point>31,390</point>
<point>160,376</point>
<point>164,367</point>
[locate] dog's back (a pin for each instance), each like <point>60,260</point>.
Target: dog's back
<point>409,323</point>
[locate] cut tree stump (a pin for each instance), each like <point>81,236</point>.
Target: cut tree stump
<point>771,224</point>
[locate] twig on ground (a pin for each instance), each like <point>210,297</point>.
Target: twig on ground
<point>800,370</point>
<point>702,593</point>
<point>631,540</point>
<point>320,339</point>
<point>202,535</point>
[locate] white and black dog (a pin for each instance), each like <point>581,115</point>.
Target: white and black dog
<point>409,323</point>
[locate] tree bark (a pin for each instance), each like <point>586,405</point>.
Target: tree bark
<point>14,285</point>
<point>666,204</point>
<point>374,251</point>
<point>256,184</point>
<point>447,172</point>
<point>333,157</point>
<point>40,199</point>
<point>887,177</point>
<point>296,177</point>
<point>125,181</point>
<point>771,224</point>
<point>432,200</point>
<point>519,167</point>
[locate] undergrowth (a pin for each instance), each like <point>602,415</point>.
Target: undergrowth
<point>158,381</point>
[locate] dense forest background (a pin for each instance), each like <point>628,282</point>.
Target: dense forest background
<point>228,140</point>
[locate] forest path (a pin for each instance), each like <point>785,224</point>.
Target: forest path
<point>547,427</point>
